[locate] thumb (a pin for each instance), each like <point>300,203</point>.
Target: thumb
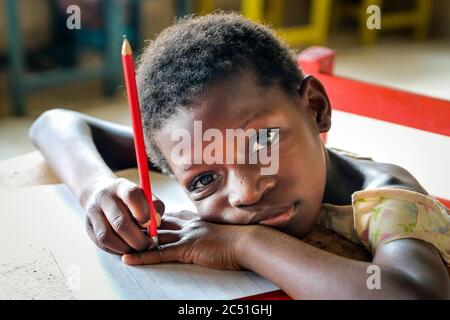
<point>159,205</point>
<point>159,211</point>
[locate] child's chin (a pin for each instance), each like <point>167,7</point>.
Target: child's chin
<point>298,229</point>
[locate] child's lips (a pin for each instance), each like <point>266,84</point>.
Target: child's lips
<point>281,218</point>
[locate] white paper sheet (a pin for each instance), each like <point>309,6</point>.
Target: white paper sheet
<point>53,214</point>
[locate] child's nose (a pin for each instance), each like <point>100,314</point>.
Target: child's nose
<point>247,187</point>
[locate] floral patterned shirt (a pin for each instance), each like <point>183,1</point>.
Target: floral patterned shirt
<point>378,216</point>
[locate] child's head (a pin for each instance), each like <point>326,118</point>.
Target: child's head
<point>231,73</point>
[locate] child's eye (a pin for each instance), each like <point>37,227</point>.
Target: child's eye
<point>264,139</point>
<point>202,181</point>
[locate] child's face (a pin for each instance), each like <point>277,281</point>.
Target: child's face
<point>239,193</point>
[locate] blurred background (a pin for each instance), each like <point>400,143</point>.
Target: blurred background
<point>47,62</point>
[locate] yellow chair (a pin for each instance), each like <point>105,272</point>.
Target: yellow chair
<point>205,6</point>
<point>418,18</point>
<point>316,32</point>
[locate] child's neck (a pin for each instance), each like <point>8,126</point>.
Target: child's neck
<point>344,177</point>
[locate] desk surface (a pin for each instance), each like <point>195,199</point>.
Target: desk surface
<point>30,272</point>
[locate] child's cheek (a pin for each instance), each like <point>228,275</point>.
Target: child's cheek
<point>210,210</point>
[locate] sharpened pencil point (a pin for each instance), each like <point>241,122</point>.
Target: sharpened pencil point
<point>155,241</point>
<point>126,48</point>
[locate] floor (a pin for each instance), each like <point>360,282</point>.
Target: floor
<point>422,67</point>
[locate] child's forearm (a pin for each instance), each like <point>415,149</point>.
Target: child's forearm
<point>305,272</point>
<point>66,140</point>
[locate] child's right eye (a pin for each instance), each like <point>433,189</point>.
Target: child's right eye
<point>265,139</point>
<point>202,181</point>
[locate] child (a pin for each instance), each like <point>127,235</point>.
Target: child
<point>229,73</point>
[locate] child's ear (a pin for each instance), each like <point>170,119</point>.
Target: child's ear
<point>313,96</point>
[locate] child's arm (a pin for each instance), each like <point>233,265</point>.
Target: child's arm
<point>409,269</point>
<point>83,152</point>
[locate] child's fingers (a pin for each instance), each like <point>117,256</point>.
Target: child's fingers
<point>91,233</point>
<point>168,236</point>
<point>120,220</point>
<point>165,253</point>
<point>169,222</point>
<point>134,198</point>
<point>159,205</point>
<point>184,215</point>
<point>103,235</point>
<point>159,208</point>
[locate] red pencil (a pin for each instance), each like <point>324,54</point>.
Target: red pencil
<point>139,144</point>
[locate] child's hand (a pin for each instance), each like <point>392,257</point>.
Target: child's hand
<point>187,239</point>
<point>116,214</point>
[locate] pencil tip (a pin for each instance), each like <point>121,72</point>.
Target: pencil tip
<point>126,48</point>
<point>155,241</point>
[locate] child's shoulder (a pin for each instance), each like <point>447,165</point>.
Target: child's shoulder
<point>393,176</point>
<point>381,174</point>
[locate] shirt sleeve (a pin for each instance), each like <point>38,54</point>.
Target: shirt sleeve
<point>384,215</point>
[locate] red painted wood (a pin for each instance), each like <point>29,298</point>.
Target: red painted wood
<point>382,103</point>
<point>445,202</point>
<point>317,60</point>
<point>395,106</point>
<point>274,295</point>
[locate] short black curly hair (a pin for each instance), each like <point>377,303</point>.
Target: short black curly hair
<point>196,52</point>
